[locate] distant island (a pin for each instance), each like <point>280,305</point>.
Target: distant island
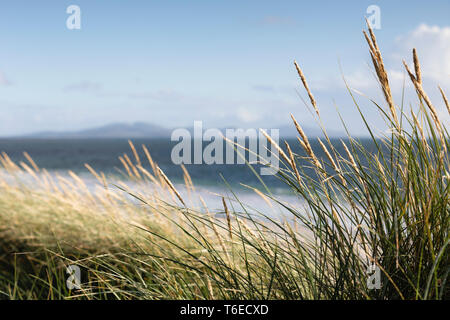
<point>113,130</point>
<point>148,130</point>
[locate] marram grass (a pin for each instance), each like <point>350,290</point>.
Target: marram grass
<point>140,239</point>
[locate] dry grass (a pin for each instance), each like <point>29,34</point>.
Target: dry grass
<point>134,240</point>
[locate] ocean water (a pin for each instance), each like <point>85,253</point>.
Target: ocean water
<point>102,154</point>
<point>211,181</point>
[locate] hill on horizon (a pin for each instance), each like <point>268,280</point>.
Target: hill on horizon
<point>148,130</point>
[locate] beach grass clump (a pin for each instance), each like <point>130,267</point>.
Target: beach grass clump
<point>374,224</point>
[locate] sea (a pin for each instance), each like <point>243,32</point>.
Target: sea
<point>61,155</point>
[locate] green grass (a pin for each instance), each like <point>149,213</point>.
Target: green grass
<point>389,208</point>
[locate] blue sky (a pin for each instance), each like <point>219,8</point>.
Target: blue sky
<point>228,63</point>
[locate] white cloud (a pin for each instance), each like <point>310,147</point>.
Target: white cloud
<point>247,115</point>
<point>3,80</point>
<point>160,95</point>
<point>84,86</point>
<point>433,47</point>
<point>361,79</point>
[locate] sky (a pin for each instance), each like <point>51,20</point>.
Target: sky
<point>227,63</point>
